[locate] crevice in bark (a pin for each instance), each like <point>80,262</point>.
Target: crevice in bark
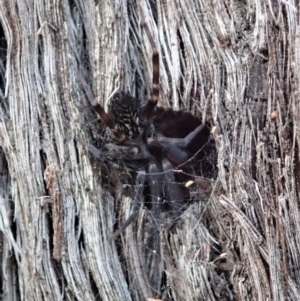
<point>3,59</point>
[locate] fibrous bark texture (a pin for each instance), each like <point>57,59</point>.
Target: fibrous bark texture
<point>233,63</point>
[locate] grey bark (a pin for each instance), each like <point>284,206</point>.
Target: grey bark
<point>234,63</point>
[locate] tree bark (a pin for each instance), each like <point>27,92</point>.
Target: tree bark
<point>233,63</point>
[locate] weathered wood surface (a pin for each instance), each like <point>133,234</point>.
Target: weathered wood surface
<point>235,63</point>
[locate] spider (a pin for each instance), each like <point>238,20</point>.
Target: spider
<point>165,149</point>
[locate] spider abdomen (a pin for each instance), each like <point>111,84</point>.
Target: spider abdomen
<point>125,111</point>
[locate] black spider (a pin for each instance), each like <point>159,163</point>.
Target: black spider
<point>166,149</point>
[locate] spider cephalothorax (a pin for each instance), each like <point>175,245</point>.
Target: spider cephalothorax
<point>164,148</point>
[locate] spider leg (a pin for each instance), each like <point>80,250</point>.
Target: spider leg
<point>101,112</point>
<point>138,200</point>
<point>202,130</point>
<point>134,150</point>
<point>173,190</point>
<point>151,104</point>
<point>155,177</point>
<point>155,180</point>
<point>129,152</point>
<point>175,149</point>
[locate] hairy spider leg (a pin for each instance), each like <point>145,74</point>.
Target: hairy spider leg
<point>101,112</point>
<point>155,179</point>
<point>173,192</point>
<point>138,200</point>
<point>148,109</point>
<point>133,150</point>
<point>175,149</point>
